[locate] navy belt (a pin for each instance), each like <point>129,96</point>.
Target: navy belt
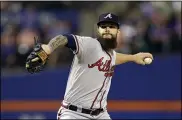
<point>83,110</point>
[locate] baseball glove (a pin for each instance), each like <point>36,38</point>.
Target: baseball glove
<point>37,59</point>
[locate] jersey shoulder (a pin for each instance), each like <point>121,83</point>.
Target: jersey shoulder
<point>86,40</point>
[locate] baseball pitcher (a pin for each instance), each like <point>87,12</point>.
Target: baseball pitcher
<point>92,68</point>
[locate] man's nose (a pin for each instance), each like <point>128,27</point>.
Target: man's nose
<point>107,29</point>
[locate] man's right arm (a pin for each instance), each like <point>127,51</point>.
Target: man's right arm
<point>38,57</point>
<point>59,41</point>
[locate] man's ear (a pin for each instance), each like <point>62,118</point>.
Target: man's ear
<point>97,29</point>
<point>119,31</point>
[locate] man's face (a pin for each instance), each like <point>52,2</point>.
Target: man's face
<point>107,34</point>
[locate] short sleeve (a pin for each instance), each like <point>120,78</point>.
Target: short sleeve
<point>84,45</point>
<point>114,56</point>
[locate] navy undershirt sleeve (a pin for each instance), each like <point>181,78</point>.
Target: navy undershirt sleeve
<point>71,42</point>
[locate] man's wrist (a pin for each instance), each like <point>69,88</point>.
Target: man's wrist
<point>46,48</point>
<point>131,58</point>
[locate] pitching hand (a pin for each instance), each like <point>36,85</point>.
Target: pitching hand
<point>139,57</point>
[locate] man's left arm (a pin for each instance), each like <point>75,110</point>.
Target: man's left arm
<point>137,58</point>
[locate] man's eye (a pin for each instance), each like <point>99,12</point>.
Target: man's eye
<point>112,26</point>
<point>103,26</point>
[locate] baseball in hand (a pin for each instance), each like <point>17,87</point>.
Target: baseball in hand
<point>148,60</point>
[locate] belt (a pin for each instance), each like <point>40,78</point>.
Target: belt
<point>83,110</point>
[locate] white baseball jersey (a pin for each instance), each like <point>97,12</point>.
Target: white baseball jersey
<point>90,75</point>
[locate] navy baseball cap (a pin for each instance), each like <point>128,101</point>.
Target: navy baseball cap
<point>108,18</point>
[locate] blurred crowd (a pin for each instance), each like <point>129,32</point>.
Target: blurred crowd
<point>145,26</point>
<point>153,27</point>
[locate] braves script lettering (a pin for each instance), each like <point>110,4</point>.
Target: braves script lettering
<point>104,67</point>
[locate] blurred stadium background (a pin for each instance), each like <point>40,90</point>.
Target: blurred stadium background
<point>152,91</point>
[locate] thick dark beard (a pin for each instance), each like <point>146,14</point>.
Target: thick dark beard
<point>107,43</point>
